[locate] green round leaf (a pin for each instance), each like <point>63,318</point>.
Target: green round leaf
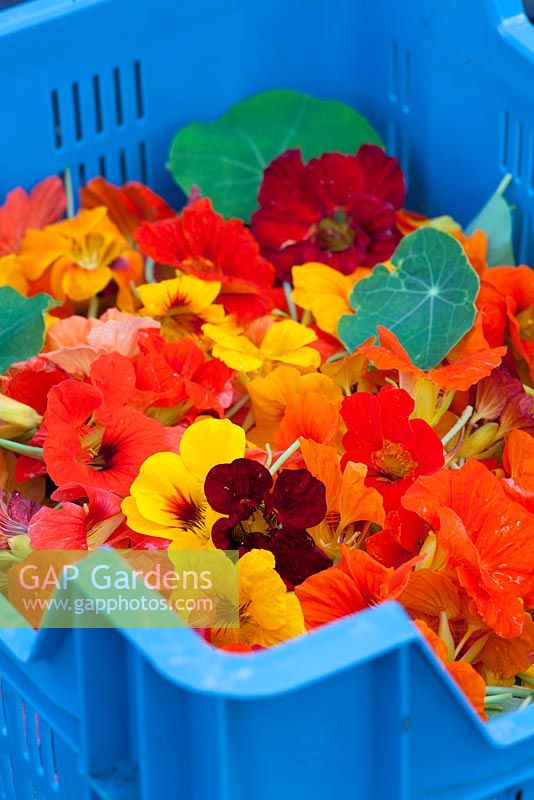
<point>22,325</point>
<point>226,158</point>
<point>428,302</point>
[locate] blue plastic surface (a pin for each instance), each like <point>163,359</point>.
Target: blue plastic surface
<point>360,709</point>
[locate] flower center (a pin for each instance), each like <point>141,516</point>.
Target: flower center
<point>392,462</point>
<point>92,251</point>
<point>335,233</point>
<point>526,324</point>
<point>197,264</point>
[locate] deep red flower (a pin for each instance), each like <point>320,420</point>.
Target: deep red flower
<point>395,448</point>
<point>200,242</point>
<point>45,204</point>
<point>127,205</point>
<point>30,381</point>
<point>337,209</point>
<point>269,517</point>
<point>97,443</point>
<point>179,371</point>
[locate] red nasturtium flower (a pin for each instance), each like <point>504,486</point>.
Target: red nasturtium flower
<point>30,381</point>
<point>179,372</point>
<point>264,517</point>
<point>356,582</point>
<point>395,448</point>
<point>92,437</point>
<point>200,242</point>
<point>45,204</point>
<point>338,209</point>
<point>127,205</point>
<point>73,526</point>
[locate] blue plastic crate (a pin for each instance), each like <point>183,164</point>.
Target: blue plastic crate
<point>360,709</point>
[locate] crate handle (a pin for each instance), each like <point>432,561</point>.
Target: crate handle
<point>513,24</point>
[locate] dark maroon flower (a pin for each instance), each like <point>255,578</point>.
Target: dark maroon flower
<point>338,209</point>
<point>275,518</point>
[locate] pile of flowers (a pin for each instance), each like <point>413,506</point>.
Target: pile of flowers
<point>193,390</point>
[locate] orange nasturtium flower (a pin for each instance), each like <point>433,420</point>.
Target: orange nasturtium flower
<point>249,349</point>
<point>467,678</point>
<point>518,461</point>
<point>11,274</point>
<point>81,256</point>
<point>506,303</point>
<point>270,396</point>
<point>167,497</point>
<point>325,292</point>
<point>486,538</point>
<point>356,582</point>
<point>349,501</point>
<point>183,304</point>
<point>423,386</point>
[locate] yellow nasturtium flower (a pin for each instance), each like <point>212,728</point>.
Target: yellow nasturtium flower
<point>182,304</point>
<point>285,342</point>
<point>167,497</point>
<point>268,614</point>
<point>325,292</point>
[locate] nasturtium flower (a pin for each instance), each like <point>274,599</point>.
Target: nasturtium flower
<point>269,515</point>
<point>350,503</point>
<point>93,438</point>
<point>395,448</point>
<point>127,205</point>
<point>201,242</point>
<point>183,304</point>
<point>16,514</point>
<point>325,292</point>
<point>470,682</point>
<point>11,274</point>
<point>356,582</point>
<point>461,375</point>
<point>506,303</point>
<point>338,210</point>
<point>285,342</point>
<point>45,204</point>
<point>401,538</point>
<point>167,497</point>
<point>310,415</point>
<point>518,461</point>
<point>268,612</point>
<point>81,256</point>
<point>179,372</point>
<point>486,538</point>
<point>76,526</point>
<point>270,395</point>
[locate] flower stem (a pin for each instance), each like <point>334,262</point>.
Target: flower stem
<point>22,449</point>
<point>498,698</point>
<point>149,270</point>
<point>92,308</point>
<point>69,192</point>
<point>269,459</point>
<point>337,356</point>
<point>237,406</point>
<point>526,702</point>
<point>515,691</point>
<point>285,455</point>
<point>527,678</point>
<point>528,389</point>
<point>457,426</point>
<point>290,302</point>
